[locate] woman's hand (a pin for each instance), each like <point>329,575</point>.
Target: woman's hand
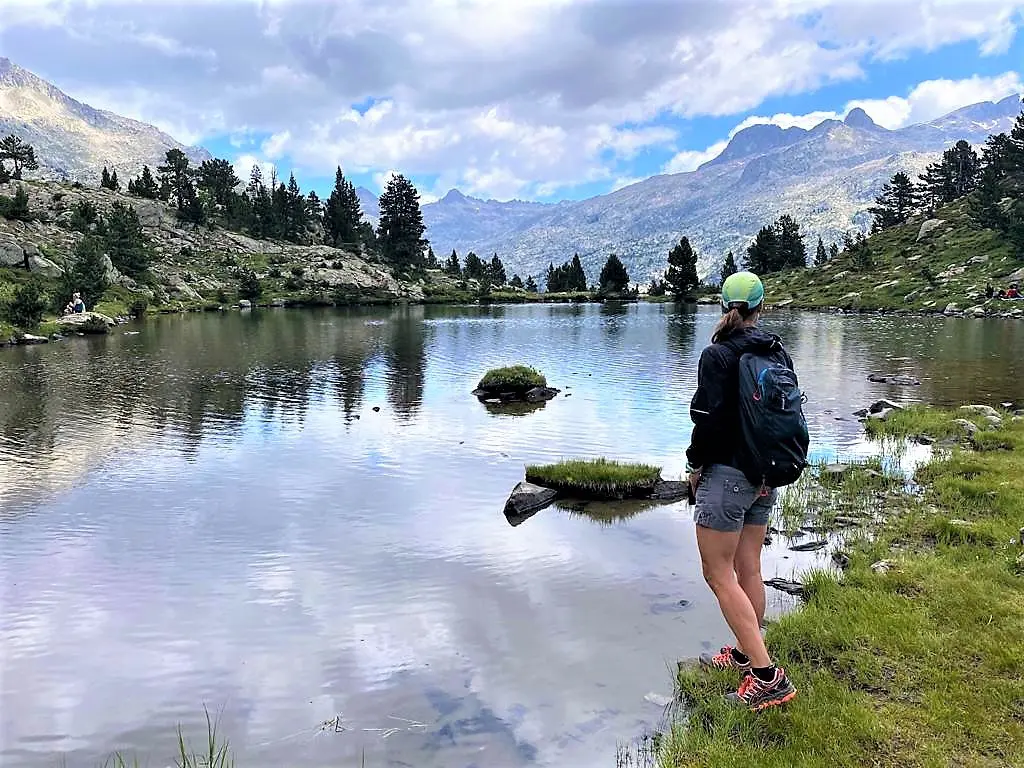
<point>694,480</point>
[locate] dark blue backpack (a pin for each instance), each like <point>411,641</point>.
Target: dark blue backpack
<point>773,452</point>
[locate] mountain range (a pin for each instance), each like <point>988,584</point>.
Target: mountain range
<point>826,177</point>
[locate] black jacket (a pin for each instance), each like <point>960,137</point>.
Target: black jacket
<point>715,409</point>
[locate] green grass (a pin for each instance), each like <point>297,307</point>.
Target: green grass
<point>595,478</point>
<point>899,257</point>
<point>920,666</point>
<point>513,378</point>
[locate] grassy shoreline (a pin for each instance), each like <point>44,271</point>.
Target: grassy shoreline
<point>917,664</point>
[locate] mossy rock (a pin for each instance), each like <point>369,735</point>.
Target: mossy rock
<point>516,383</point>
<point>596,478</point>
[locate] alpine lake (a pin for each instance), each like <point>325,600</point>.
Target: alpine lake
<point>293,519</point>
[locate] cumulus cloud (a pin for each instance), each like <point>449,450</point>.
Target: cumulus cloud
<point>507,99</point>
<point>691,160</point>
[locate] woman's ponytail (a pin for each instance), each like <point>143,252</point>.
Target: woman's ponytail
<point>731,321</point>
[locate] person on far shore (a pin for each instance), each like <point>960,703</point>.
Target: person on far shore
<point>1014,292</point>
<point>731,512</point>
<point>989,291</point>
<point>76,305</point>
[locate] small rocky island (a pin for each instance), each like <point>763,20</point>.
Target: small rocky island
<point>514,384</point>
<point>592,480</point>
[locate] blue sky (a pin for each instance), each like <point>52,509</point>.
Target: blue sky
<point>538,99</point>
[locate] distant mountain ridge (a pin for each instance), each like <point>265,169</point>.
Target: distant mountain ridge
<point>826,176</point>
<point>73,141</point>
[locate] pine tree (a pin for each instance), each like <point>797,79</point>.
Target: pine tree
<point>833,251</point>
<point>576,277</point>
<point>614,278</point>
<point>88,272</point>
<point>20,153</point>
<point>951,178</point>
<point>531,284</point>
<point>114,183</point>
<point>432,262</point>
<point>401,228</point>
<point>176,177</point>
<point>729,266</point>
<point>16,207</point>
<point>474,269</point>
<point>105,179</point>
<point>191,207</point>
<point>452,266</point>
<point>314,209</point>
<point>516,282</point>
<point>343,215</point>
<point>294,211</point>
<point>144,185</point>
<point>792,252</point>
<point>496,271</point>
<point>681,276</point>
<point>124,240</point>
<point>763,253</point>
<point>895,205</point>
<point>217,176</point>
<point>821,255</point>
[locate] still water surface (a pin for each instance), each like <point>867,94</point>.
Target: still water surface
<point>289,516</point>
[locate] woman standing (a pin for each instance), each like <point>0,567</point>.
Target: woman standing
<point>731,511</point>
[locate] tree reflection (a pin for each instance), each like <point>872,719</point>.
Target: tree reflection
<point>405,358</point>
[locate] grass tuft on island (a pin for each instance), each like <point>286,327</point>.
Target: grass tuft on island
<point>914,664</point>
<point>595,478</point>
<point>513,378</point>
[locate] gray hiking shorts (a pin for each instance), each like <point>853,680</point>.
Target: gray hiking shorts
<point>726,501</point>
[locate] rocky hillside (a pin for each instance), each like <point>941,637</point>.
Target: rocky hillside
<point>939,265</point>
<point>72,140</point>
<point>192,265</point>
<point>826,177</point>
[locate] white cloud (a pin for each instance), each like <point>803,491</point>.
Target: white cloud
<point>934,98</point>
<point>524,97</point>
<point>691,160</point>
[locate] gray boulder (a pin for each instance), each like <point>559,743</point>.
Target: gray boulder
<point>44,266</point>
<point>669,490</point>
<point>11,252</point>
<point>928,227</point>
<point>968,426</point>
<point>28,338</point>
<point>984,410</point>
<point>527,498</point>
<point>85,322</point>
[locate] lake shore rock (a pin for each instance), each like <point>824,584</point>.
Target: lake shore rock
<point>526,499</point>
<point>86,322</point>
<point>901,380</point>
<point>495,395</point>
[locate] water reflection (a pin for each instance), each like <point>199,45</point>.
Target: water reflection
<point>294,514</point>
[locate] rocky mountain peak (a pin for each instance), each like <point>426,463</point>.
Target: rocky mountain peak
<point>454,196</point>
<point>858,118</point>
<point>757,140</point>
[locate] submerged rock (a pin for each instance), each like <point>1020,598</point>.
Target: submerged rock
<point>787,586</point>
<point>28,338</point>
<point>878,407</point>
<point>809,546</point>
<point>899,379</point>
<point>527,498</point>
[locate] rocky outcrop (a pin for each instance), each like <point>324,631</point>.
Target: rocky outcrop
<point>496,395</point>
<point>526,500</point>
<point>85,322</point>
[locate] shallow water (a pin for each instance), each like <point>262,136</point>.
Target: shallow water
<point>212,512</point>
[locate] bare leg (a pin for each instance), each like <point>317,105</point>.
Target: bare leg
<point>747,563</point>
<point>717,555</point>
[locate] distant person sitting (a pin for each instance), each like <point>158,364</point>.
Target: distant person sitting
<point>1014,292</point>
<point>76,305</point>
<point>989,290</point>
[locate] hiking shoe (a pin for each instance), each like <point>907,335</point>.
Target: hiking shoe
<point>759,695</point>
<point>723,660</point>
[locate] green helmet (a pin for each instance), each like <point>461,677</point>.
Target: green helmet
<point>742,290</point>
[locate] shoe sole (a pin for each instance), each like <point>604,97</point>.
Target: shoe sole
<point>775,702</point>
